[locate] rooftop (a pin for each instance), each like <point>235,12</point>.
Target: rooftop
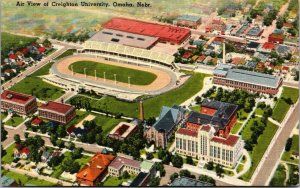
<point>16,97</point>
<point>189,18</point>
<point>231,140</point>
<point>189,182</point>
<point>189,132</point>
<point>123,129</point>
<point>164,32</point>
<point>95,167</point>
<point>56,107</point>
<point>6,181</point>
<point>120,161</point>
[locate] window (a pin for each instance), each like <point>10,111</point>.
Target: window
<point>130,37</point>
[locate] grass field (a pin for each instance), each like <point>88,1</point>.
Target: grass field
<point>43,71</point>
<point>292,93</point>
<point>196,108</point>
<point>280,110</point>
<point>9,41</point>
<point>279,176</point>
<point>14,121</point>
<point>27,180</point>
<point>242,115</point>
<point>80,115</point>
<point>295,147</point>
<point>81,161</point>
<point>259,111</point>
<point>107,123</point>
<point>153,105</point>
<point>3,116</point>
<point>137,77</point>
<point>246,132</point>
<point>9,156</point>
<point>114,181</point>
<point>239,168</point>
<point>236,128</point>
<point>260,148</point>
<point>66,53</point>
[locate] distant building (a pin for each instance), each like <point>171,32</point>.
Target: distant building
<point>217,26</point>
<point>95,170</point>
<point>222,116</point>
<point>254,33</point>
<point>276,38</point>
<point>205,146</point>
<point>163,128</point>
<point>246,80</point>
<point>8,182</point>
<point>18,103</point>
<point>189,182</point>
<point>188,21</point>
<point>121,164</point>
<point>122,131</point>
<point>58,112</point>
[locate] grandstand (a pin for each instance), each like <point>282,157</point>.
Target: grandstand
<point>122,53</point>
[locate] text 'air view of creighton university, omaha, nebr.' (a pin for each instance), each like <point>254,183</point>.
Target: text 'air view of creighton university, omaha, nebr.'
<point>156,93</point>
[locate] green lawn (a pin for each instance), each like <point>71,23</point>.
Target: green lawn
<point>81,161</point>
<point>259,111</point>
<point>260,148</point>
<point>107,123</point>
<point>114,181</point>
<point>3,116</point>
<point>66,53</point>
<point>236,128</point>
<point>9,41</point>
<point>44,70</point>
<point>196,108</point>
<point>14,121</point>
<point>292,93</point>
<point>9,156</point>
<point>36,86</point>
<point>239,168</point>
<point>80,115</point>
<point>246,132</point>
<point>153,105</point>
<point>295,147</point>
<point>137,77</point>
<point>23,179</point>
<point>242,115</point>
<point>280,110</point>
<point>279,176</point>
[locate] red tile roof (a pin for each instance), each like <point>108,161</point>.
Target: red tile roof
<point>9,71</point>
<point>16,97</point>
<point>221,39</point>
<point>164,32</point>
<point>41,49</point>
<point>285,68</point>
<point>119,162</point>
<point>56,107</point>
<point>231,140</point>
<point>220,22</point>
<point>205,128</point>
<point>25,150</point>
<point>12,56</point>
<point>96,166</point>
<point>276,36</point>
<point>268,45</point>
<point>187,132</point>
<point>201,58</point>
<point>25,50</point>
<point>186,55</point>
<point>36,121</point>
<point>20,63</point>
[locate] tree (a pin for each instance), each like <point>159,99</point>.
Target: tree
<point>69,165</point>
<point>149,156</point>
<point>207,179</point>
<point>279,22</point>
<point>185,173</point>
<point>173,176</point>
<point>210,165</point>
<point>61,132</point>
<point>189,160</point>
<point>160,167</point>
<point>219,170</point>
<point>177,161</point>
<point>17,139</point>
<point>53,139</point>
<point>288,144</point>
<point>71,146</point>
<point>3,133</point>
<point>60,143</point>
<point>154,182</point>
<point>198,100</point>
<point>150,121</point>
<point>55,161</point>
<point>125,175</point>
<point>77,153</point>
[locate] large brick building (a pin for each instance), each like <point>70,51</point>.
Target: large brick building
<point>95,170</point>
<point>229,76</point>
<point>222,116</point>
<point>188,21</point>
<point>18,103</point>
<point>54,111</point>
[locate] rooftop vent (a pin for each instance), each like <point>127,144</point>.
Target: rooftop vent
<point>9,96</point>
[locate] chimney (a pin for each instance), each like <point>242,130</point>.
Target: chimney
<point>199,120</point>
<point>141,111</point>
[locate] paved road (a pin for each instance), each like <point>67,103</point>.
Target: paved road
<point>270,161</point>
<point>291,84</point>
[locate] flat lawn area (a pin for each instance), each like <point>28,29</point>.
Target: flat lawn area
<point>242,115</point>
<point>153,105</point>
<point>279,176</point>
<point>196,108</point>
<point>43,71</point>
<point>137,77</point>
<point>14,41</point>
<point>23,179</point>
<point>280,110</point>
<point>107,123</point>
<point>114,181</point>
<point>82,161</point>
<point>260,148</point>
<point>14,121</point>
<point>259,111</point>
<point>246,132</point>
<point>236,128</point>
<point>37,87</point>
<point>292,93</point>
<point>3,116</point>
<point>80,115</point>
<point>66,53</point>
<point>9,156</point>
<point>239,168</point>
<point>295,147</point>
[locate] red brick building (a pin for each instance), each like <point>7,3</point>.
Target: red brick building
<point>95,170</point>
<point>217,25</point>
<point>276,38</point>
<point>222,116</point>
<point>18,103</point>
<point>62,113</point>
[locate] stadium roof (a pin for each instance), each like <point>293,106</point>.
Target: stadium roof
<point>189,18</point>
<point>248,76</point>
<point>131,51</point>
<point>164,32</point>
<point>125,38</point>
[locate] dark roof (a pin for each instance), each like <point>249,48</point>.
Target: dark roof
<point>189,182</point>
<point>219,119</point>
<point>139,179</point>
<point>253,45</point>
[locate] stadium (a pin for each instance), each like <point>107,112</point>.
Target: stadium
<point>120,62</point>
